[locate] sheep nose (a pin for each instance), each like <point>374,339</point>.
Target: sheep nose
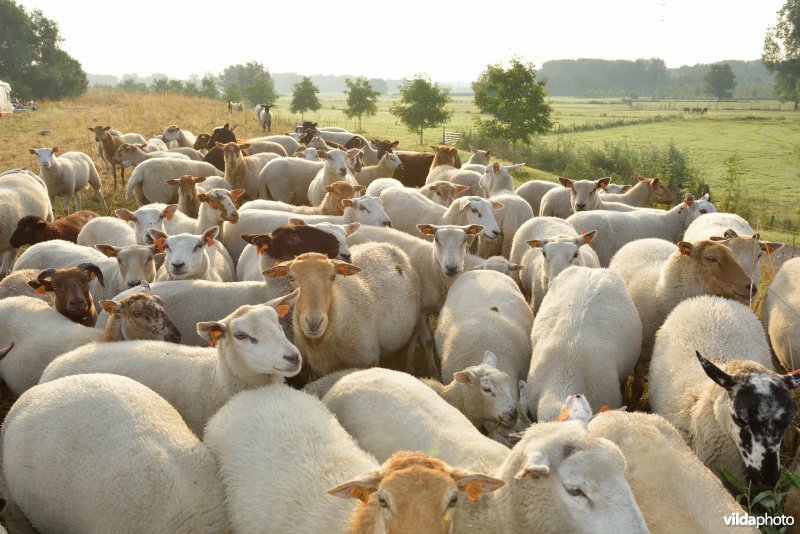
<point>342,172</point>
<point>753,290</point>
<point>294,359</point>
<point>313,326</point>
<point>581,207</point>
<point>451,271</point>
<point>387,223</point>
<point>346,257</point>
<point>178,265</point>
<point>134,283</point>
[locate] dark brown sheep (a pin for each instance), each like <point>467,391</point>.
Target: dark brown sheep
<point>32,229</point>
<point>71,289</point>
<point>415,164</point>
<point>291,240</point>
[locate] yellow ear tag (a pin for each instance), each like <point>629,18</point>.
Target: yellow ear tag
<point>563,415</point>
<point>361,494</point>
<point>474,490</point>
<point>41,290</point>
<point>215,335</point>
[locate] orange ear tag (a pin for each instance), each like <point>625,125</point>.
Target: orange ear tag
<point>210,241</point>
<point>215,335</point>
<point>261,248</point>
<point>41,290</point>
<point>170,215</point>
<point>282,309</point>
<point>563,415</point>
<point>474,490</point>
<point>361,494</point>
<point>603,408</point>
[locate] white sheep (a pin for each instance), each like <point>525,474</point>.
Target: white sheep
<point>109,230</point>
<point>136,316</point>
<point>137,263</point>
<point>407,208</point>
<point>646,192</point>
<point>441,192</point>
<point>575,349</point>
<point>545,246</point>
<point>615,229</point>
<point>264,116</point>
<point>21,193</point>
<point>242,171</point>
<point>384,169</point>
<point>288,179</point>
<point>184,138</point>
<point>17,284</point>
<point>478,156</point>
<point>130,155</point>
<point>533,191</point>
<point>659,275</point>
<point>148,181</point>
<point>248,350</point>
<point>59,254</point>
<point>665,475</point>
<point>66,176</point>
<point>162,217</point>
<point>737,419</point>
<point>574,197</point>
<point>333,170</point>
<point>484,310</point>
<point>378,186</point>
<point>189,152</point>
<point>499,264</point>
<point>331,203</point>
<point>289,144</point>
<point>68,473</point>
<point>781,314</point>
<point>342,320</point>
<point>365,210</point>
<point>735,233</point>
<point>193,257</point>
<point>389,411</point>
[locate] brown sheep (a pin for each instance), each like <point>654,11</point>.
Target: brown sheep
<point>291,240</point>
<point>71,288</point>
<point>32,229</point>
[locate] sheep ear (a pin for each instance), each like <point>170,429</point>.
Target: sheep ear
<point>566,182</point>
<point>262,242</point>
<point>536,463</point>
<point>92,271</point>
<point>489,359</point>
<point>654,183</point>
<point>497,205</point>
<point>359,188</point>
<point>108,250</point>
<point>720,377</point>
<point>202,197</point>
<point>537,243</point>
<point>159,239</point>
<point>220,145</point>
<point>791,380</point>
<point>685,247</point>
<point>209,235</point>
<point>394,144</point>
<point>245,146</point>
<point>496,167</point>
<point>625,188</point>
<point>172,181</point>
<point>461,188</point>
<point>109,306</point>
<point>462,377</point>
<point>351,228</point>
<point>729,233</point>
<point>515,267</point>
<point>211,331</point>
<point>474,229</point>
<point>588,236</point>
<point>689,200</point>
<point>40,287</point>
<point>199,179</point>
<point>514,168</point>
<point>345,269</point>
<point>169,212</point>
<point>770,246</point>
<point>475,485</point>
<point>347,202</point>
<point>294,221</point>
<point>236,193</point>
<point>33,150</point>
<point>284,303</point>
<point>329,188</point>
<point>426,229</point>
<point>124,214</point>
<point>471,148</point>
<point>278,271</point>
<point>360,488</point>
<point>602,183</point>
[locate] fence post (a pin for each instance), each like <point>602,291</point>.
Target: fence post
<point>443,133</point>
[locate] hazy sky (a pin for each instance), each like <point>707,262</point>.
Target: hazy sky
<point>448,40</point>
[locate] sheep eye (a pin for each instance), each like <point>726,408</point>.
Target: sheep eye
<point>167,248</point>
<point>148,260</point>
<point>198,247</point>
<point>382,502</point>
<point>474,211</point>
<point>487,390</point>
<point>575,256</point>
<point>712,260</point>
<point>703,211</point>
<point>333,276</point>
<point>240,335</point>
<point>544,254</point>
<point>291,278</point>
<point>453,501</point>
<point>362,208</point>
<point>576,492</point>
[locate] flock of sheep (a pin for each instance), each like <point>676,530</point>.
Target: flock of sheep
<point>149,349</point>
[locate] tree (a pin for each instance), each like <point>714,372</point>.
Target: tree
<point>31,60</point>
<point>304,97</point>
<point>208,87</point>
<point>781,53</point>
<point>720,81</point>
<point>515,100</point>
<point>422,104</point>
<point>250,81</point>
<point>361,99</point>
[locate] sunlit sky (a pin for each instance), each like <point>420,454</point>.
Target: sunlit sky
<point>450,41</point>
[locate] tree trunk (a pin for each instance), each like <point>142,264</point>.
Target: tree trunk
<point>796,102</point>
<point>420,131</point>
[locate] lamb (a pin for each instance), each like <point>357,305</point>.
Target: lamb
<point>615,229</point>
<point>781,314</point>
<point>187,258</point>
<point>155,144</point>
<point>71,291</point>
<point>235,106</point>
<point>379,408</point>
<point>383,301</point>
<point>32,229</point>
<point>129,154</point>
<point>137,316</point>
<point>440,192</point>
<point>576,196</point>
<point>736,234</point>
<point>137,263</point>
<point>646,192</point>
<point>660,469</point>
<point>187,193</point>
<point>67,175</point>
<point>21,194</point>
<point>148,182</point>
<point>248,349</point>
<point>58,254</point>
<point>445,160</point>
<point>162,217</point>
<point>334,169</point>
<point>107,143</point>
<point>545,246</point>
<point>660,275</point>
<point>365,210</point>
<point>243,171</point>
<point>309,154</point>
<point>482,393</point>
<point>288,179</point>
<point>479,157</point>
<point>740,424</point>
<point>573,349</point>
<point>407,208</point>
<point>264,116</point>
<point>184,138</point>
<point>331,204</point>
<point>170,483</point>
<point>110,230</point>
<point>533,191</point>
<point>498,264</point>
<point>484,310</point>
<point>384,169</point>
